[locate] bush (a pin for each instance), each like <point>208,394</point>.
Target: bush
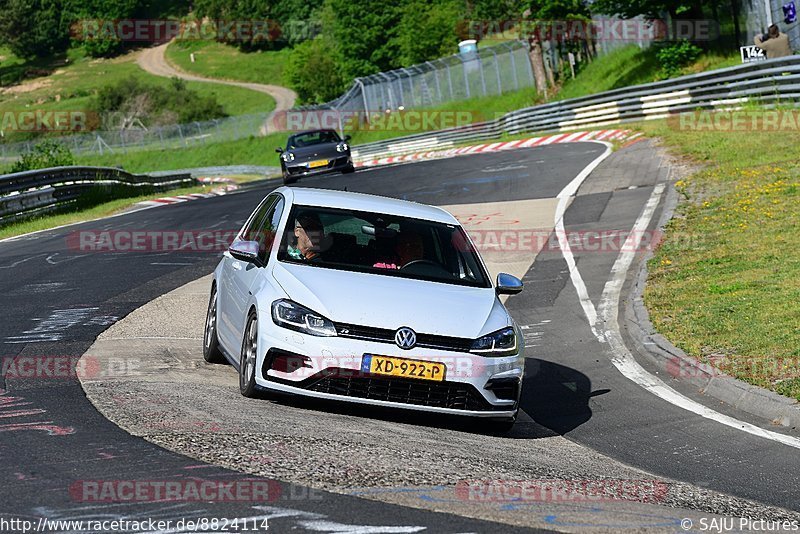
<point>675,56</point>
<point>313,73</point>
<point>44,155</point>
<point>155,104</point>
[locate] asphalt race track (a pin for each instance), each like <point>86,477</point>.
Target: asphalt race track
<point>58,299</point>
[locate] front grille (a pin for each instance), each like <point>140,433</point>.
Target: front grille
<point>384,335</point>
<point>350,383</point>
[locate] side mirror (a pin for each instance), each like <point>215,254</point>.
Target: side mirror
<point>347,137</point>
<point>246,251</point>
<point>279,150</point>
<point>508,285</point>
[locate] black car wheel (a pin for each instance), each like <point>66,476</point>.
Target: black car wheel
<point>288,179</point>
<point>211,352</point>
<point>347,170</point>
<point>247,359</point>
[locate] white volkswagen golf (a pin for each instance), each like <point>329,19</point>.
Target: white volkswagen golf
<point>360,298</point>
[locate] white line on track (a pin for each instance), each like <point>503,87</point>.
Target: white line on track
<point>563,201</point>
<point>605,326</point>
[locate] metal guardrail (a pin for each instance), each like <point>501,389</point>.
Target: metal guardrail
<point>765,83</point>
<point>31,192</point>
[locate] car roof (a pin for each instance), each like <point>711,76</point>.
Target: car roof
<point>327,198</point>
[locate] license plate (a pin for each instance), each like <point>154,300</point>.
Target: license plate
<point>389,366</point>
<point>318,163</point>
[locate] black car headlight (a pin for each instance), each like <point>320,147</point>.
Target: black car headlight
<point>291,315</point>
<point>287,156</point>
<point>342,147</point>
<point>500,343</point>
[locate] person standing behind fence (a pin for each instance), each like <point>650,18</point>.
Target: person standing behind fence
<point>775,43</point>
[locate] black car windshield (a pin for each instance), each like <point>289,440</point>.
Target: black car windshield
<point>312,138</point>
<point>381,244</point>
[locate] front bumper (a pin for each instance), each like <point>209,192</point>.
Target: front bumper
<point>334,165</point>
<point>330,368</point>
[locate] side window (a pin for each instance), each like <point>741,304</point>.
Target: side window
<point>250,231</point>
<point>268,229</point>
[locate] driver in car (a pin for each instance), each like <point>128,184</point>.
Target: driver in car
<point>309,233</point>
<point>409,247</point>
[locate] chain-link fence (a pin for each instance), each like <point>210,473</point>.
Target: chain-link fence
<point>485,72</point>
<point>169,137</point>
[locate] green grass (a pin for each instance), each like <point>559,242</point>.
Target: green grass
<point>218,60</point>
<point>75,79</point>
<point>725,284</point>
<point>630,65</point>
<point>249,151</point>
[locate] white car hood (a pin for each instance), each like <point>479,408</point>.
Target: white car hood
<point>391,302</point>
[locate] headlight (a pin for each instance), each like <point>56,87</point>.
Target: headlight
<point>291,315</point>
<point>287,156</point>
<point>342,147</point>
<point>500,343</point>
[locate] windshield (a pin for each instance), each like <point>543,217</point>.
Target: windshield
<point>381,244</point>
<point>312,138</point>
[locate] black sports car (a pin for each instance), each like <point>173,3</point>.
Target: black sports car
<point>314,152</point>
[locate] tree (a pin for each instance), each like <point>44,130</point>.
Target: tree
<point>313,72</point>
<point>653,9</point>
<point>285,21</point>
<point>428,30</point>
<point>89,19</point>
<point>33,28</point>
<point>549,11</point>
<point>364,33</point>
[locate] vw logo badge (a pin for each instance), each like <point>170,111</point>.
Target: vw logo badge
<point>405,338</point>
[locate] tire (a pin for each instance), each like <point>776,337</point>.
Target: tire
<point>349,169</point>
<point>288,179</point>
<point>211,352</point>
<point>247,358</point>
